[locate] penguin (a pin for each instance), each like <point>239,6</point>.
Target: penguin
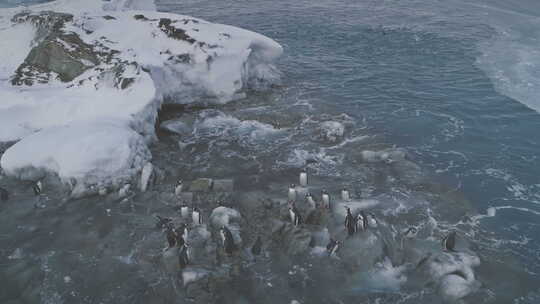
<point>292,192</point>
<point>345,194</point>
<point>311,202</point>
<point>183,255</point>
<point>162,222</point>
<point>171,237</point>
<point>257,246</point>
<point>296,218</point>
<point>38,187</point>
<point>449,242</point>
<point>372,220</point>
<point>303,178</point>
<point>182,232</point>
<point>184,211</point>
<point>178,188</point>
<point>350,224</point>
<point>333,247</point>
<point>410,232</point>
<point>361,221</point>
<point>227,240</point>
<point>196,216</point>
<point>4,194</point>
<point>326,199</point>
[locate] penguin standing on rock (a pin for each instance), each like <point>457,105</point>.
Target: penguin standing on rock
<point>333,247</point>
<point>303,178</point>
<point>449,242</point>
<point>182,232</point>
<point>196,216</point>
<point>326,199</point>
<point>296,218</point>
<point>171,236</point>
<point>4,194</point>
<point>345,195</point>
<point>183,256</point>
<point>37,187</point>
<point>227,240</point>
<point>350,223</point>
<point>292,192</point>
<point>311,201</point>
<point>361,221</point>
<point>179,187</point>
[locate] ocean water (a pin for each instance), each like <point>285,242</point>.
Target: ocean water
<point>454,84</point>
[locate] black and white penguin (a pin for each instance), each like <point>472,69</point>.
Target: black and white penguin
<point>38,187</point>
<point>361,221</point>
<point>303,178</point>
<point>227,239</point>
<point>410,232</point>
<point>333,247</point>
<point>183,255</point>
<point>257,246</point>
<point>4,194</point>
<point>326,199</point>
<point>350,223</point>
<point>345,195</point>
<point>171,236</point>
<point>182,231</point>
<point>292,192</point>
<point>449,241</point>
<point>296,218</point>
<point>179,187</point>
<point>311,201</point>
<point>372,220</point>
<point>196,216</point>
<point>184,211</point>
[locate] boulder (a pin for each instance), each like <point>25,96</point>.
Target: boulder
<point>223,185</point>
<point>201,185</point>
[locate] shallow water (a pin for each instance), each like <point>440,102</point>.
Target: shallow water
<point>442,80</point>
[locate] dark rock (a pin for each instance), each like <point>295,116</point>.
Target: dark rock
<point>165,25</point>
<point>223,185</point>
<point>4,194</point>
<point>290,239</point>
<point>201,185</point>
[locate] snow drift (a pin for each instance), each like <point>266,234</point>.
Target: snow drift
<point>90,76</point>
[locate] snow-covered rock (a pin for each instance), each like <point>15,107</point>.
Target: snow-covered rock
<point>332,131</point>
<point>74,64</point>
<point>223,216</point>
<point>100,151</point>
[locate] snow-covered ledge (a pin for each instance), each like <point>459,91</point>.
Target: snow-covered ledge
<point>83,82</point>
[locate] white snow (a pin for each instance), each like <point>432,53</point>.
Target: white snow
<point>87,128</point>
<point>193,275</point>
<point>98,151</point>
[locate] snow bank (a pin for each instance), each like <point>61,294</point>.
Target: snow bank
<point>96,151</point>
<point>120,66</point>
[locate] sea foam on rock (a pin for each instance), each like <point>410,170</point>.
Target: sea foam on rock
<point>78,63</point>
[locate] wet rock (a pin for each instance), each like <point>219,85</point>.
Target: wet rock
<point>4,194</point>
<point>192,275</point>
<point>170,260</point>
<point>201,185</point>
<point>186,197</point>
<point>176,126</point>
<point>290,239</point>
<point>332,131</point>
<point>223,185</point>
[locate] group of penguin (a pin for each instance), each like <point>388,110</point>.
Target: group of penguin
<point>353,224</point>
<point>178,236</point>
